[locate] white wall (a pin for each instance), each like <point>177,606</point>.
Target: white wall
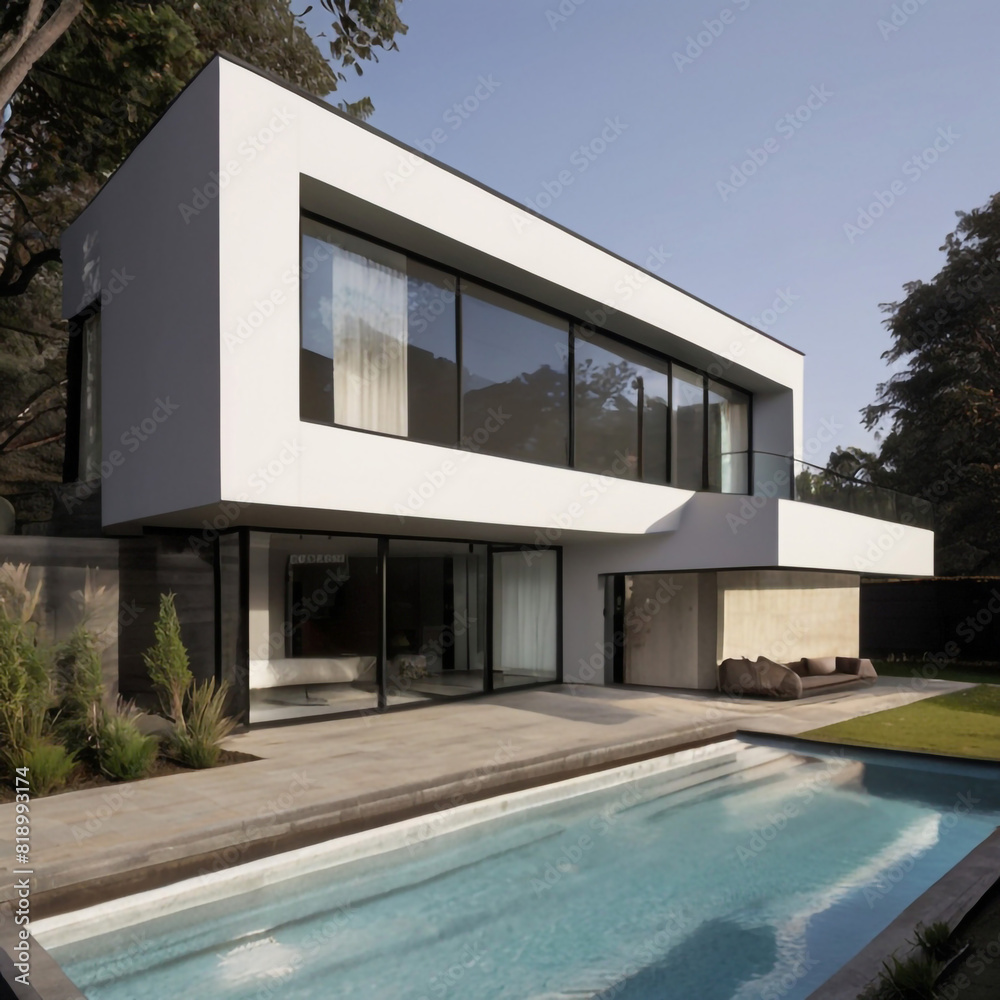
<point>157,274</point>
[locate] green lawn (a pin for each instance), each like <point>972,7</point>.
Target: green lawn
<point>974,673</point>
<point>963,723</point>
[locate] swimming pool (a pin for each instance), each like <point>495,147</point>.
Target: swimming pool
<point>732,871</point>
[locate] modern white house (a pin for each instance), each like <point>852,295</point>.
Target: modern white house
<point>428,443</point>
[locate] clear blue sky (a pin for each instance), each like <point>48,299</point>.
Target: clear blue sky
<point>881,97</point>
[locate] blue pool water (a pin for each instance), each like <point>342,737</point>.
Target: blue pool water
<point>758,883</point>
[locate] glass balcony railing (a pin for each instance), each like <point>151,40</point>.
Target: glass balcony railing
<point>790,479</point>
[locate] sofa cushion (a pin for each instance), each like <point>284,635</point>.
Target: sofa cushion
<point>799,666</point>
<point>821,665</point>
<point>818,681</point>
<point>856,666</point>
<point>739,676</point>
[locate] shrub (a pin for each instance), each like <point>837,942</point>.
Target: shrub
<point>125,753</point>
<point>935,940</point>
<point>26,694</point>
<point>196,743</point>
<point>167,662</point>
<point>81,708</point>
<point>912,978</point>
<point>49,765</point>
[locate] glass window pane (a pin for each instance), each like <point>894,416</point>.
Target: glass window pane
<point>525,617</point>
<point>431,347</point>
<point>609,379</point>
<point>378,339</point>
<point>314,608</point>
<point>355,303</point>
<point>514,378</point>
<point>687,429</point>
<point>728,438</point>
<point>435,620</point>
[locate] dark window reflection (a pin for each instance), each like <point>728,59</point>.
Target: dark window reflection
<point>432,371</point>
<point>514,378</point>
<point>609,381</point>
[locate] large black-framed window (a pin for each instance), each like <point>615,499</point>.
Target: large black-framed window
<point>379,348</point>
<point>621,411</point>
<point>515,378</point>
<point>396,345</point>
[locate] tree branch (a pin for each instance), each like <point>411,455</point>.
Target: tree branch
<point>28,271</point>
<point>31,18</point>
<point>40,40</point>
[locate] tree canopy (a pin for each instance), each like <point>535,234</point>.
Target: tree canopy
<point>78,111</point>
<point>938,416</point>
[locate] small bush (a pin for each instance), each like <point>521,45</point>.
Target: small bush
<point>125,753</point>
<point>167,662</point>
<point>196,743</point>
<point>25,689</point>
<point>49,765</point>
<point>912,978</point>
<point>81,707</point>
<point>935,940</point>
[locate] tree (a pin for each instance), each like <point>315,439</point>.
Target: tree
<point>939,416</point>
<point>78,112</point>
<point>26,36</point>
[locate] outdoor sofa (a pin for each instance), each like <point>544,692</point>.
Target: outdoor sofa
<point>809,675</point>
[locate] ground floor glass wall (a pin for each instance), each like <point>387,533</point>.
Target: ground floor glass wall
<point>340,624</point>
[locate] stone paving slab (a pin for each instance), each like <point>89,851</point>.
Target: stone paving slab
<point>317,780</point>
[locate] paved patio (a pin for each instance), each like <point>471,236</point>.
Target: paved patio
<point>321,779</point>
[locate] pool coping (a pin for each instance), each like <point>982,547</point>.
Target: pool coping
<point>386,807</point>
<point>951,899</point>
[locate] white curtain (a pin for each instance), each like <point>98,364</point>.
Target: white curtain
<point>525,613</point>
<point>369,344</point>
<point>734,423</point>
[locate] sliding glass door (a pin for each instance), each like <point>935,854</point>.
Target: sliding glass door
<point>525,598</point>
<point>435,620</point>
